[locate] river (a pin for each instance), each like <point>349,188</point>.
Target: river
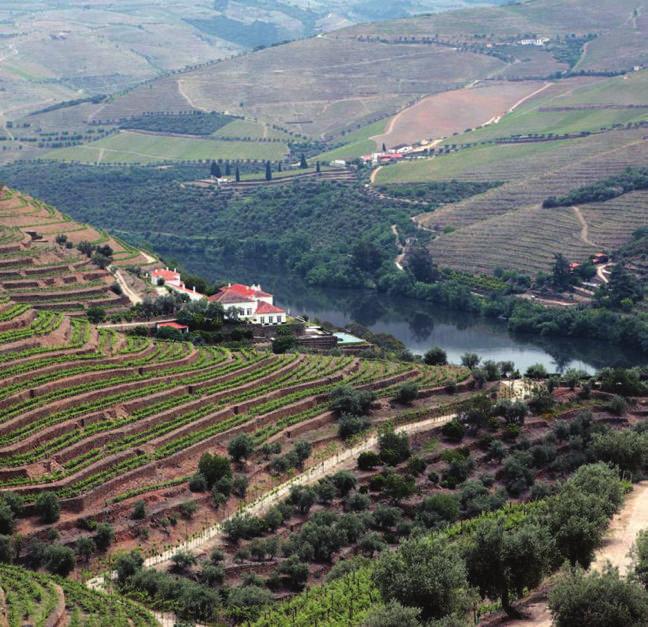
<point>421,325</point>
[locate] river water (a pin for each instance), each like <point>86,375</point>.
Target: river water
<point>421,325</point>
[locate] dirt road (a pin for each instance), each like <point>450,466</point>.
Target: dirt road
<point>619,539</point>
<point>133,296</point>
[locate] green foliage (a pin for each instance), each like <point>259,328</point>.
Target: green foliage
<point>240,447</point>
<point>453,431</point>
<point>597,599</point>
<point>347,400</point>
<point>368,460</point>
<point>139,511</point>
<point>503,562</point>
<point>104,536</point>
<point>96,314</point>
<point>393,447</point>
<point>406,393</point>
<point>640,558</point>
<point>48,507</point>
<point>436,356</point>
<point>193,123</point>
<point>631,179</point>
<point>426,574</point>
<point>213,468</point>
<point>392,615</point>
<point>59,559</point>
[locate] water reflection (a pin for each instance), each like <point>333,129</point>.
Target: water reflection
<point>420,325</point>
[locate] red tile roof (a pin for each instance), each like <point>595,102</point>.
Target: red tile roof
<point>267,308</point>
<point>167,275</point>
<point>227,297</point>
<point>173,325</point>
<point>246,290</point>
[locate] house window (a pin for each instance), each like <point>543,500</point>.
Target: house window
<point>270,319</point>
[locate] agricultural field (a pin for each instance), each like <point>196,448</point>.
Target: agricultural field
<point>251,130</point>
<point>140,147</point>
<point>453,112</point>
<point>357,143</point>
<point>507,226</point>
<point>40,599</point>
<point>104,420</point>
<point>40,265</point>
<point>572,106</point>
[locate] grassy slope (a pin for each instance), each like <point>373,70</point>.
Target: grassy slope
<point>528,118</point>
<point>134,147</point>
<point>357,143</point>
<point>250,128</point>
<point>460,163</point>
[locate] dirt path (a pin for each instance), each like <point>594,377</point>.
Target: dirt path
<point>584,232</point>
<point>133,296</point>
<point>623,531</point>
<point>618,541</point>
<point>497,119</point>
<point>149,258</point>
<point>601,274</point>
<point>187,97</point>
<point>374,174</point>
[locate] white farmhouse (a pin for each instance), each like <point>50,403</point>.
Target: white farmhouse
<point>253,304</point>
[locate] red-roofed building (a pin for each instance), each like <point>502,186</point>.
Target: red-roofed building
<point>252,302</point>
<point>169,277</point>
<point>183,328</point>
<point>172,280</point>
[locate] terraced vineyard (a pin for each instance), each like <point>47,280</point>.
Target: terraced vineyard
<point>91,415</point>
<point>38,270</point>
<point>508,227</point>
<point>30,598</point>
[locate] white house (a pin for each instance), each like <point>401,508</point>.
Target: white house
<point>172,280</point>
<point>253,303</point>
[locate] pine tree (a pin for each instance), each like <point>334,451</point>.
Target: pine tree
<point>303,164</point>
<point>268,171</point>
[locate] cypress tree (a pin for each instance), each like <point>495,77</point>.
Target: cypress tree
<point>228,169</point>
<point>268,171</point>
<point>318,168</point>
<point>303,164</point>
<point>237,174</point>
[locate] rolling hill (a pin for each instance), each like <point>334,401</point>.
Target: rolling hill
<point>349,78</point>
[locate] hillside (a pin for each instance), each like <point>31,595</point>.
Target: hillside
<point>41,266</point>
<point>305,85</point>
<point>574,133</point>
<point>40,599</point>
